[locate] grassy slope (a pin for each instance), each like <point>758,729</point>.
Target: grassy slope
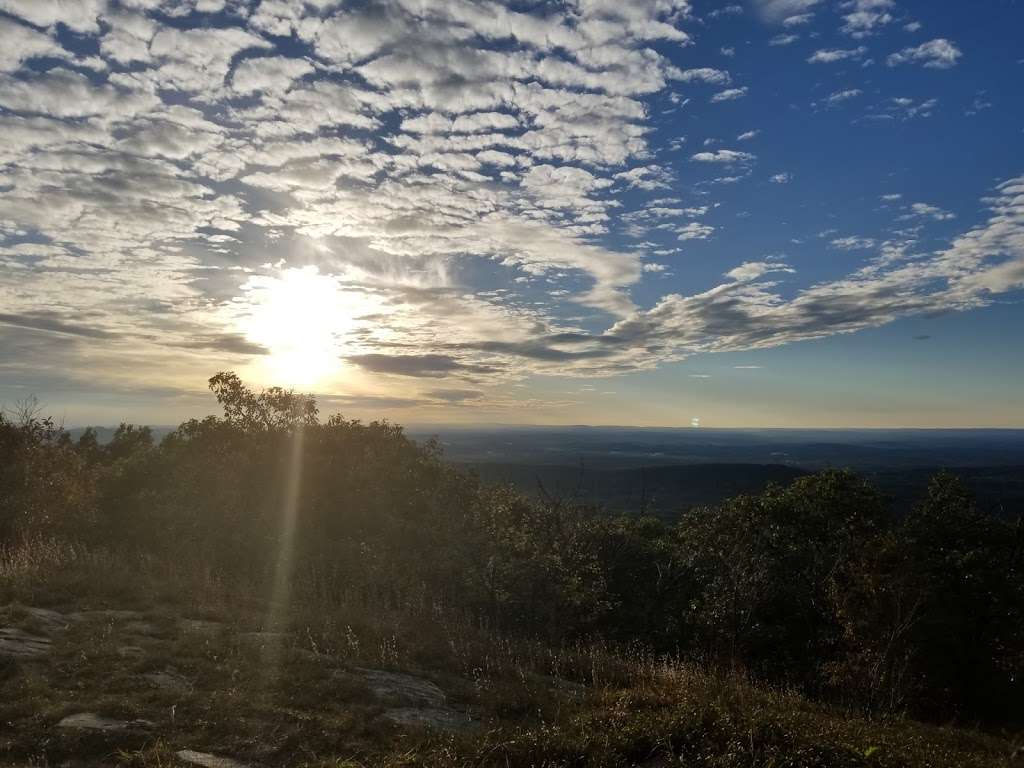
<point>302,704</point>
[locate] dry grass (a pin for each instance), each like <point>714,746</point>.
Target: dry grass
<point>299,704</point>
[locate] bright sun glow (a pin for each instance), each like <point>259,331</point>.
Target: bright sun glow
<point>300,317</point>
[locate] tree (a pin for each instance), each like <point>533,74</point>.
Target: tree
<point>272,409</point>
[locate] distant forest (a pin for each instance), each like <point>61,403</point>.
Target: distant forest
<point>814,582</point>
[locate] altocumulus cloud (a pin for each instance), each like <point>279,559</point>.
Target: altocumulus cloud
<point>398,147</point>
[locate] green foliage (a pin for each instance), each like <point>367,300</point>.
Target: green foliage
<point>813,585</point>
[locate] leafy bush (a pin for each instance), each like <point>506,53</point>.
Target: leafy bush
<point>814,585</point>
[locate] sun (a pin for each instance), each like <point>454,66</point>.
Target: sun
<point>299,316</point>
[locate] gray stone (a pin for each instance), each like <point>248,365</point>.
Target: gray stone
<point>407,689</point>
<point>206,760</point>
<point>200,627</point>
<point>441,718</point>
<point>18,644</point>
<point>131,652</point>
<point>52,620</point>
<point>90,721</point>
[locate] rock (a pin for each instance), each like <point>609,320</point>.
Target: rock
<point>441,718</point>
<point>131,652</point>
<point>52,620</point>
<point>206,760</point>
<point>409,690</point>
<point>200,627</point>
<point>170,681</point>
<point>18,644</point>
<point>424,702</point>
<point>90,721</point>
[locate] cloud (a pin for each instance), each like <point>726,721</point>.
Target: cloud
<point>460,173</point>
<point>752,270</point>
<point>725,10</point>
<point>838,97</point>
<point>832,55</point>
<point>865,17</point>
<point>78,15</point>
<point>695,231</point>
<point>786,39</point>
<point>53,322</point>
<point>729,94</point>
<point>781,178</point>
<point>414,365</point>
<point>231,343</point>
<point>746,313</point>
<point>453,396</point>
<point>935,54</point>
<point>23,43</point>
<point>268,74</point>
<point>704,75</point>
<point>931,212</point>
<point>780,11</point>
<point>904,108</point>
<point>853,243</point>
<point>724,156</point>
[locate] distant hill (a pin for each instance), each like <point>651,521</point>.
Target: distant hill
<point>623,447</point>
<point>663,491</point>
<point>666,491</point>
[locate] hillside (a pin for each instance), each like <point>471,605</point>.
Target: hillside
<point>113,663</point>
<point>265,588</point>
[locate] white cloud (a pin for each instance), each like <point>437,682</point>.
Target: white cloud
<point>420,144</point>
<point>904,108</point>
<point>781,178</point>
<point>832,55</point>
<point>268,75</point>
<point>730,94</point>
<point>726,156</point>
<point>838,97</point>
<point>787,39</point>
<point>21,43</point>
<point>78,15</point>
<point>747,135</point>
<point>931,212</point>
<point>935,54</point>
<point>695,231</point>
<point>704,75</point>
<point>780,11</point>
<point>853,243</point>
<point>866,17</point>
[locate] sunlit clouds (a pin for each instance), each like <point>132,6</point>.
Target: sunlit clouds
<point>435,206</point>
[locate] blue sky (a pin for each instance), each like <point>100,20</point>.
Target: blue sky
<point>770,213</point>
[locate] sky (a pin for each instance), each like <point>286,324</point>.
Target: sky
<point>658,212</point>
